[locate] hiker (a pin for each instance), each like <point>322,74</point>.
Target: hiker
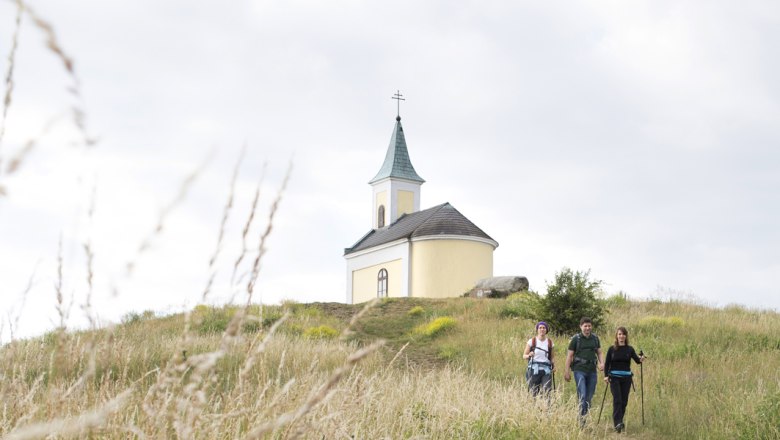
<point>539,353</point>
<point>617,373</point>
<point>583,357</point>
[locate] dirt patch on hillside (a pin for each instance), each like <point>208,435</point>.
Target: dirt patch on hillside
<point>343,312</point>
<point>390,320</point>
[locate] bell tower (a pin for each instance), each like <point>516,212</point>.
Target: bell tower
<point>396,187</point>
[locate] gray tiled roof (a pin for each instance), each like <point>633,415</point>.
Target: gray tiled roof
<point>397,162</point>
<point>442,219</point>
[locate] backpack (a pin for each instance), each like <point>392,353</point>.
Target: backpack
<point>579,360</point>
<point>578,335</point>
<point>550,346</point>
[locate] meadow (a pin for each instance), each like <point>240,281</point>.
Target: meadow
<point>398,368</point>
<point>391,370</point>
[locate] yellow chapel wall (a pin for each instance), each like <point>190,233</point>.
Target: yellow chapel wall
<point>364,281</point>
<point>405,202</point>
<point>449,267</point>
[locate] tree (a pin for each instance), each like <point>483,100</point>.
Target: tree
<point>570,297</point>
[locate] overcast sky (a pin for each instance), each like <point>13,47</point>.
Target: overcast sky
<point>638,140</point>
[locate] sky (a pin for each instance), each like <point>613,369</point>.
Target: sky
<point>636,140</point>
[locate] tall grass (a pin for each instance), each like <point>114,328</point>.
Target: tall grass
<point>714,377</point>
<point>710,372</point>
<point>250,371</point>
<point>190,382</point>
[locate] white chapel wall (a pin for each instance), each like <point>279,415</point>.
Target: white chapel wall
<point>362,287</point>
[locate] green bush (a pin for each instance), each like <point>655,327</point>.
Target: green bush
<point>435,327</point>
<point>570,297</point>
<point>251,324</point>
<point>211,321</point>
<point>416,311</point>
<point>321,332</point>
<point>619,299</point>
<point>131,318</point>
<point>521,305</point>
<point>135,317</point>
<point>270,316</point>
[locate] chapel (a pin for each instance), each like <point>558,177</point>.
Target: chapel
<point>434,253</point>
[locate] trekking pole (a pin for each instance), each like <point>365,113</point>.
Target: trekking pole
<point>553,379</point>
<point>642,385</point>
<point>602,404</point>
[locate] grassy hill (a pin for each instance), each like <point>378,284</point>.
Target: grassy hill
<point>447,369</point>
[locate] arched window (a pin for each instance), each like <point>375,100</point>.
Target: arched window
<point>381,284</point>
<point>380,217</point>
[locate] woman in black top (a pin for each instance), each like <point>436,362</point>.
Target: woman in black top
<point>617,373</point>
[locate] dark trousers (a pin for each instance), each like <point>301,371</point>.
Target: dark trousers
<point>620,387</point>
<point>539,382</point>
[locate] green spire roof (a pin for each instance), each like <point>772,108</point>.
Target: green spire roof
<point>397,162</point>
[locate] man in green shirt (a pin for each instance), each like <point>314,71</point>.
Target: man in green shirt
<point>583,358</point>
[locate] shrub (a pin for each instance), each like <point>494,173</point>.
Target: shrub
<point>521,305</point>
<point>202,310</point>
<point>321,332</point>
<point>270,316</point>
<point>213,321</point>
<point>135,317</point>
<point>416,311</point>
<point>619,299</point>
<point>570,297</point>
<point>306,311</point>
<point>131,318</point>
<point>251,324</point>
<point>435,327</point>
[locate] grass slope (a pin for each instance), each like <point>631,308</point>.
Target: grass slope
<point>449,369</point>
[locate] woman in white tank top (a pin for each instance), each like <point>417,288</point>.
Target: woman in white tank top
<point>539,353</point>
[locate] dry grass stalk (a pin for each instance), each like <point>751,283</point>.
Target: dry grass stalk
<point>13,324</point>
<point>9,74</point>
<point>87,306</point>
<point>27,402</point>
<point>348,330</point>
<point>180,196</point>
<point>323,391</point>
<point>192,400</point>
<point>247,226</point>
<point>51,40</point>
<point>75,89</point>
<point>269,227</point>
<point>18,158</point>
<point>90,371</point>
<point>256,350</point>
<point>223,223</point>
<point>72,425</point>
<point>389,364</point>
<point>317,396</point>
<point>61,309</point>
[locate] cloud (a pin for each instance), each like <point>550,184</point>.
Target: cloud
<point>635,140</point>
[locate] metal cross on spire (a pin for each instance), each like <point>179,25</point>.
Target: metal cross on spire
<point>398,97</point>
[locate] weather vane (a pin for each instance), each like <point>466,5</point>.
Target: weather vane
<point>398,97</point>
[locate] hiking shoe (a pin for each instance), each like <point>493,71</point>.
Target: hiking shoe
<point>620,427</point>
